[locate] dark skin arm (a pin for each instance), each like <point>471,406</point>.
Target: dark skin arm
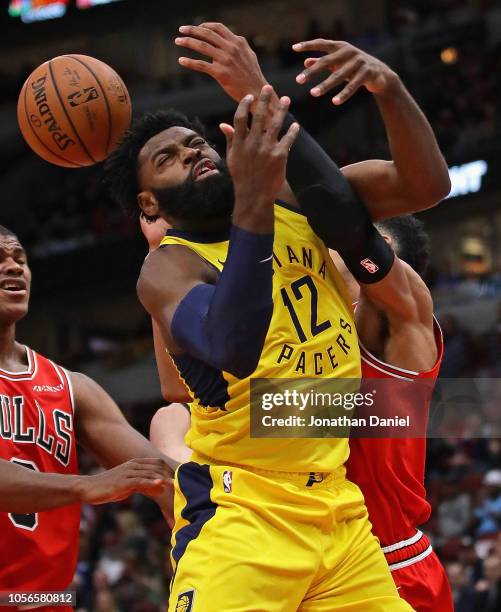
<point>24,490</point>
<point>96,413</point>
<point>173,388</point>
<point>397,313</point>
<point>135,464</point>
<point>417,176</point>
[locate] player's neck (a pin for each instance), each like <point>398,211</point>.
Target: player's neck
<point>204,227</point>
<point>11,353</point>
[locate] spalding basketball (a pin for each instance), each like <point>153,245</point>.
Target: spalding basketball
<point>73,109</point>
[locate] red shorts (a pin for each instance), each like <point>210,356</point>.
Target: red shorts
<point>420,577</point>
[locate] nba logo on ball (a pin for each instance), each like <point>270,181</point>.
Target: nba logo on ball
<point>185,601</point>
<point>227,478</point>
<point>369,265</point>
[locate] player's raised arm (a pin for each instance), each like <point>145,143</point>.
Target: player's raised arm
<point>235,67</point>
<point>417,177</point>
<point>334,211</point>
<point>224,324</point>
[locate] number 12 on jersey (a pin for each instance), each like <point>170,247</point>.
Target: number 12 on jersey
<point>305,282</point>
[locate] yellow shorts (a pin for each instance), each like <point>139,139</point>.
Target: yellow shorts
<point>256,541</point>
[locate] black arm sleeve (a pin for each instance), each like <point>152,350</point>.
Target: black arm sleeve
<point>334,211</point>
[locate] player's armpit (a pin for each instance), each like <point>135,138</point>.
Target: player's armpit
<point>103,430</point>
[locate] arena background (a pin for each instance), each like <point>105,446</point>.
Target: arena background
<point>85,254</point>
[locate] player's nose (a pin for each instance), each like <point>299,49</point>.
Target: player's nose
<point>190,155</point>
<point>13,267</point>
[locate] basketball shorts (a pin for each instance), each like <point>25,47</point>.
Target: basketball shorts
<point>419,576</point>
<point>249,540</point>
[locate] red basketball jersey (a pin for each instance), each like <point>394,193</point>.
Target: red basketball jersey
<point>38,552</point>
<point>390,471</point>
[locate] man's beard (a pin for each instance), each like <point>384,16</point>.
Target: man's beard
<point>202,200</point>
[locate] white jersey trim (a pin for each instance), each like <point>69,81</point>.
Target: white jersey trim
<point>65,379</point>
<point>387,365</point>
<point>403,543</point>
<point>28,374</point>
<point>407,562</point>
<point>70,388</point>
<point>436,326</point>
<point>384,371</point>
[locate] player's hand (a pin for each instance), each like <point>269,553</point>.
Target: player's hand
<point>257,157</point>
<point>233,64</point>
<point>146,476</point>
<point>346,63</point>
<point>153,231</point>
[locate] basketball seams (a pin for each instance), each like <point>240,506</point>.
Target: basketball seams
<point>28,122</point>
<point>105,97</point>
<point>56,89</point>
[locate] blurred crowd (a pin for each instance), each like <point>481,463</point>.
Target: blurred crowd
<point>464,487</point>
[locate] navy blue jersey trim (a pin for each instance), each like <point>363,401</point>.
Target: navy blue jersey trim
<point>290,207</point>
<point>202,237</point>
<point>195,483</point>
<point>206,383</point>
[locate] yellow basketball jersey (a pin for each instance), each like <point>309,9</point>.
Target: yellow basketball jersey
<point>312,334</point>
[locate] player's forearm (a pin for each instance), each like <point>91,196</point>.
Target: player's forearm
<point>122,444</point>
<point>173,388</point>
<point>420,165</point>
<point>23,491</point>
<point>309,165</point>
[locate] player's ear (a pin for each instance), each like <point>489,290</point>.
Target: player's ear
<point>148,203</point>
<point>388,239</point>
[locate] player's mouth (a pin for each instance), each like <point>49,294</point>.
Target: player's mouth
<point>15,287</point>
<point>203,169</point>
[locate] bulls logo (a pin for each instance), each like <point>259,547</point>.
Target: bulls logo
<point>83,96</point>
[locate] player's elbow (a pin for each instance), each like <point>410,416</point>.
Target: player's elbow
<point>431,192</point>
<point>172,393</point>
<point>438,189</point>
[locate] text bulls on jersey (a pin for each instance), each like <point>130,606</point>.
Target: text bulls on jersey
<point>55,437</point>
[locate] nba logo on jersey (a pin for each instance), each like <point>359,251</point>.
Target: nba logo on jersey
<point>185,601</point>
<point>369,265</point>
<point>227,478</point>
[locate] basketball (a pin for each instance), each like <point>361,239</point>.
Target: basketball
<point>73,109</point>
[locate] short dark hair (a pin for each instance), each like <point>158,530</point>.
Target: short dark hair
<point>5,231</point>
<point>121,166</point>
<point>412,243</point>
